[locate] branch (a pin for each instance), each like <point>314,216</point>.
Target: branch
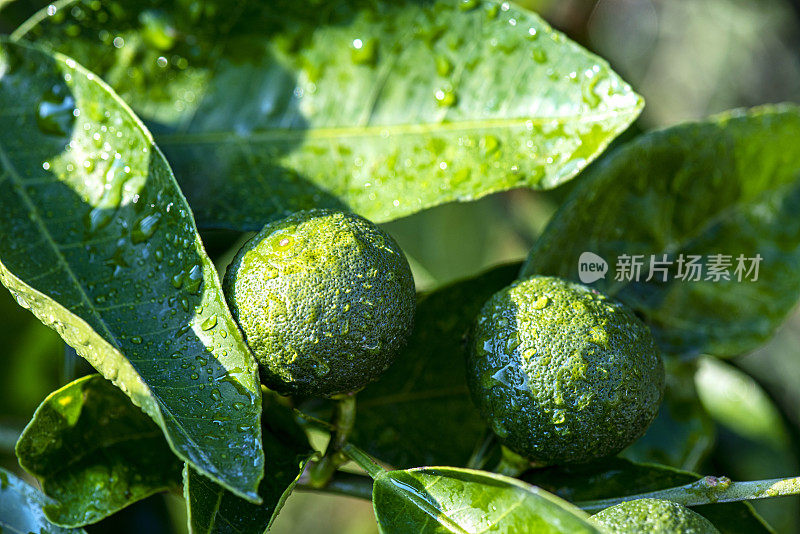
<point>708,490</point>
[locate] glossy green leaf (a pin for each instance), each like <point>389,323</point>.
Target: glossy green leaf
<point>736,401</point>
<point>383,107</point>
<point>682,434</point>
<point>728,186</point>
<point>616,477</point>
<point>453,500</point>
<point>21,508</point>
<point>419,412</point>
<point>97,241</point>
<point>94,453</point>
<point>212,509</point>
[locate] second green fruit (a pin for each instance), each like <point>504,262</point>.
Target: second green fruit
<point>562,373</point>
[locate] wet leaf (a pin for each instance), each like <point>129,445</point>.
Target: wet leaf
<point>94,453</point>
<point>448,499</point>
<point>419,412</point>
<point>737,402</point>
<point>212,509</point>
<point>382,107</point>
<point>98,242</point>
<point>725,188</point>
<point>21,508</point>
<point>616,477</point>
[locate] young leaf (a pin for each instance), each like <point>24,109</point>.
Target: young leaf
<point>419,412</point>
<point>97,241</point>
<point>94,453</point>
<point>212,509</point>
<point>616,477</point>
<point>728,186</point>
<point>21,508</point>
<point>453,500</point>
<point>383,107</point>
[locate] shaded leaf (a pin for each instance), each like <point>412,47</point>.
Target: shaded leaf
<point>617,477</point>
<point>683,434</point>
<point>449,499</point>
<point>21,508</point>
<point>727,186</point>
<point>94,453</point>
<point>383,107</point>
<point>419,412</point>
<point>212,509</point>
<point>97,241</point>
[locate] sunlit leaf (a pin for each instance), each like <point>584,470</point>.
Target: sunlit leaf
<point>383,107</point>
<point>452,500</point>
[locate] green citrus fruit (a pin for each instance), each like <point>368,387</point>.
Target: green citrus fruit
<point>325,300</point>
<point>563,373</point>
<point>648,516</point>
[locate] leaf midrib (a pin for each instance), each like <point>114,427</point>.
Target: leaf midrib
<point>16,179</point>
<point>333,132</point>
<point>435,514</point>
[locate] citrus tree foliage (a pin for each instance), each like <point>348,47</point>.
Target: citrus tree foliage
<point>128,124</point>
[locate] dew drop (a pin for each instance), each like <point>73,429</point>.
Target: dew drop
<point>55,113</point>
<point>144,227</point>
<point>445,97</point>
<point>443,66</point>
<point>209,323</point>
<point>364,51</point>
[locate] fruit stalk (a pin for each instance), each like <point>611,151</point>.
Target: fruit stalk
<point>322,472</point>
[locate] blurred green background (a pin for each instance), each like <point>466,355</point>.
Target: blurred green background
<point>689,59</point>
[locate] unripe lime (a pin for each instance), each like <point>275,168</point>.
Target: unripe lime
<point>563,373</point>
<point>325,300</point>
<point>648,516</point>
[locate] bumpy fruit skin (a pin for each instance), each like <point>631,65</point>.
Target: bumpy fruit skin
<point>562,373</point>
<point>325,300</point>
<point>653,516</point>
